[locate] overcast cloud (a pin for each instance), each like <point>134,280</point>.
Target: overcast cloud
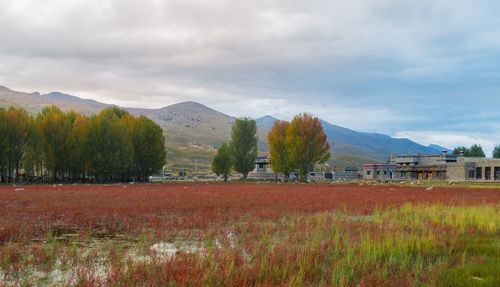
<point>428,70</point>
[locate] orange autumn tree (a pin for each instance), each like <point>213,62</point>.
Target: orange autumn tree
<point>280,158</point>
<point>307,143</point>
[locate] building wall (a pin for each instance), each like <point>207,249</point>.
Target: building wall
<point>379,171</point>
<point>477,169</point>
<point>422,160</point>
<point>345,175</point>
<point>421,172</point>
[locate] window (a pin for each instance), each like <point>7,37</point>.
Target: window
<point>497,173</point>
<point>487,173</point>
<point>479,172</point>
<point>471,174</point>
<point>368,172</point>
<point>385,172</point>
<point>261,165</point>
<point>378,172</point>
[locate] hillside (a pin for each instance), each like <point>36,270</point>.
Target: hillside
<point>203,125</point>
<point>193,130</point>
<point>35,102</point>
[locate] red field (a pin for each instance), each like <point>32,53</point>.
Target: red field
<point>31,211</point>
<point>243,234</point>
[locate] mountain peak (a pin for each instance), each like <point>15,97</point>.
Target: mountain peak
<point>266,122</point>
<point>267,118</point>
<point>439,148</point>
<point>190,104</point>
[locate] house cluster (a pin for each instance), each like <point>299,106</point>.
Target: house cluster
<point>437,166</point>
<point>263,171</point>
<point>442,166</point>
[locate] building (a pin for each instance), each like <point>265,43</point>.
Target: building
<point>318,175</point>
<point>437,166</point>
<point>474,169</point>
<point>379,171</point>
<point>263,170</point>
<point>413,167</point>
<point>349,173</point>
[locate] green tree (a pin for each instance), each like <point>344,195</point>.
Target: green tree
<point>460,150</point>
<point>33,159</point>
<point>476,151</point>
<point>111,146</point>
<point>110,149</point>
<point>79,145</point>
<point>16,136</point>
<point>244,145</point>
<point>55,130</point>
<point>148,146</point>
<point>3,145</point>
<point>222,163</point>
<point>496,151</point>
<point>279,152</point>
<point>308,144</point>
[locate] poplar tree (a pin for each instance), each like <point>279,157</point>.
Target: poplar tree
<point>3,144</point>
<point>308,143</point>
<point>280,156</point>
<point>55,131</point>
<point>16,137</point>
<point>148,146</point>
<point>244,145</point>
<point>110,149</point>
<point>79,144</point>
<point>111,146</point>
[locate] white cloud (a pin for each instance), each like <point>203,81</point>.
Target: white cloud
<point>374,65</point>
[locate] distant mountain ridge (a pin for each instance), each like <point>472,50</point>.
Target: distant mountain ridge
<point>194,129</point>
<point>439,148</point>
<point>35,102</point>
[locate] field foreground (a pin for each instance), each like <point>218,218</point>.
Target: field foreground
<point>249,235</point>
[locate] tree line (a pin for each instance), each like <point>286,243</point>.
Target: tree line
<point>496,151</point>
<point>295,146</point>
<point>57,146</point>
<point>475,151</point>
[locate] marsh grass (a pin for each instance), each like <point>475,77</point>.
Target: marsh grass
<point>412,245</point>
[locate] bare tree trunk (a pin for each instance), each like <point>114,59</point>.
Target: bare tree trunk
<point>17,172</point>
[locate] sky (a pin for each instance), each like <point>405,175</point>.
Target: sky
<point>428,70</point>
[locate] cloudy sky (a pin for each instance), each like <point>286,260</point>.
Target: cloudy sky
<point>428,69</point>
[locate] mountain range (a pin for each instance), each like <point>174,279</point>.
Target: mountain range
<point>193,131</point>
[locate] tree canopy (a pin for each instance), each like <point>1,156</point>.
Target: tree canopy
<point>244,145</point>
<point>298,145</point>
<point>308,143</point>
<point>222,163</point>
<point>496,151</point>
<point>58,146</point>
<point>474,151</point>
<point>14,131</point>
<point>280,156</point>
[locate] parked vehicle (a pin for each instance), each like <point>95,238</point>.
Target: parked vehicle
<point>160,177</point>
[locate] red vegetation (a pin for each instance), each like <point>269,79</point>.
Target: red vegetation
<point>32,211</point>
